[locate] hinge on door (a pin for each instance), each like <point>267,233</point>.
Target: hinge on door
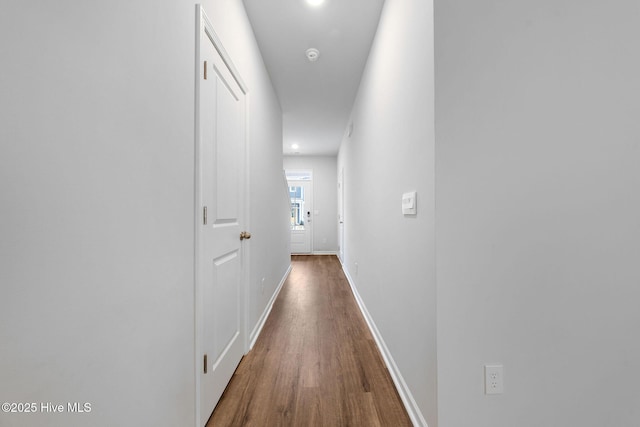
<point>204,215</point>
<point>205,70</point>
<point>205,363</point>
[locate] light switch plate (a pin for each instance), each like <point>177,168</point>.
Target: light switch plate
<point>409,203</point>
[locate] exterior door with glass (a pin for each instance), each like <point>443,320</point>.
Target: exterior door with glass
<point>301,216</point>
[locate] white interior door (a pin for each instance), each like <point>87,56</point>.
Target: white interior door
<point>221,197</point>
<point>301,216</point>
<point>341,216</point>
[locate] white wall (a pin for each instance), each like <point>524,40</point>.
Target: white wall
<point>325,199</point>
<point>538,241</point>
<point>391,152</point>
<point>96,208</point>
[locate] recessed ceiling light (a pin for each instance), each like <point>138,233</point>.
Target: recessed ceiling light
<point>295,146</point>
<point>315,2</point>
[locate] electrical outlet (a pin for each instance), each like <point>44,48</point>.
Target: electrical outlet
<point>493,379</point>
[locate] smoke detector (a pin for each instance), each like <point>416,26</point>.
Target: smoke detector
<point>312,54</point>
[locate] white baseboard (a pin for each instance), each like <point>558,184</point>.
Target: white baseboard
<point>317,253</point>
<point>409,402</point>
<point>325,253</point>
<point>263,318</point>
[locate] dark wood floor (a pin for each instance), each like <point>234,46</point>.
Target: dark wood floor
<point>315,362</point>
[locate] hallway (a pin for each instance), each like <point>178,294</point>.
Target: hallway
<point>315,362</point>
<point>515,124</point>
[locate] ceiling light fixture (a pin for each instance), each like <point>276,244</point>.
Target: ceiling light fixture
<point>315,2</point>
<point>295,146</point>
<point>312,54</point>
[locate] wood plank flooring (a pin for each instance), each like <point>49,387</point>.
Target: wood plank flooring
<point>315,362</point>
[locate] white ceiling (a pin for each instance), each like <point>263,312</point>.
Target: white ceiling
<point>316,97</point>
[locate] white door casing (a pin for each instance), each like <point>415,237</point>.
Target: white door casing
<point>220,219</point>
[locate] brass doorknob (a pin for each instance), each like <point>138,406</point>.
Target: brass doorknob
<point>245,235</point>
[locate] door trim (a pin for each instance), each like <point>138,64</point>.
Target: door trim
<point>204,25</point>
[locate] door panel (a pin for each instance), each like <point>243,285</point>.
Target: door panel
<point>226,321</point>
<point>229,117</point>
